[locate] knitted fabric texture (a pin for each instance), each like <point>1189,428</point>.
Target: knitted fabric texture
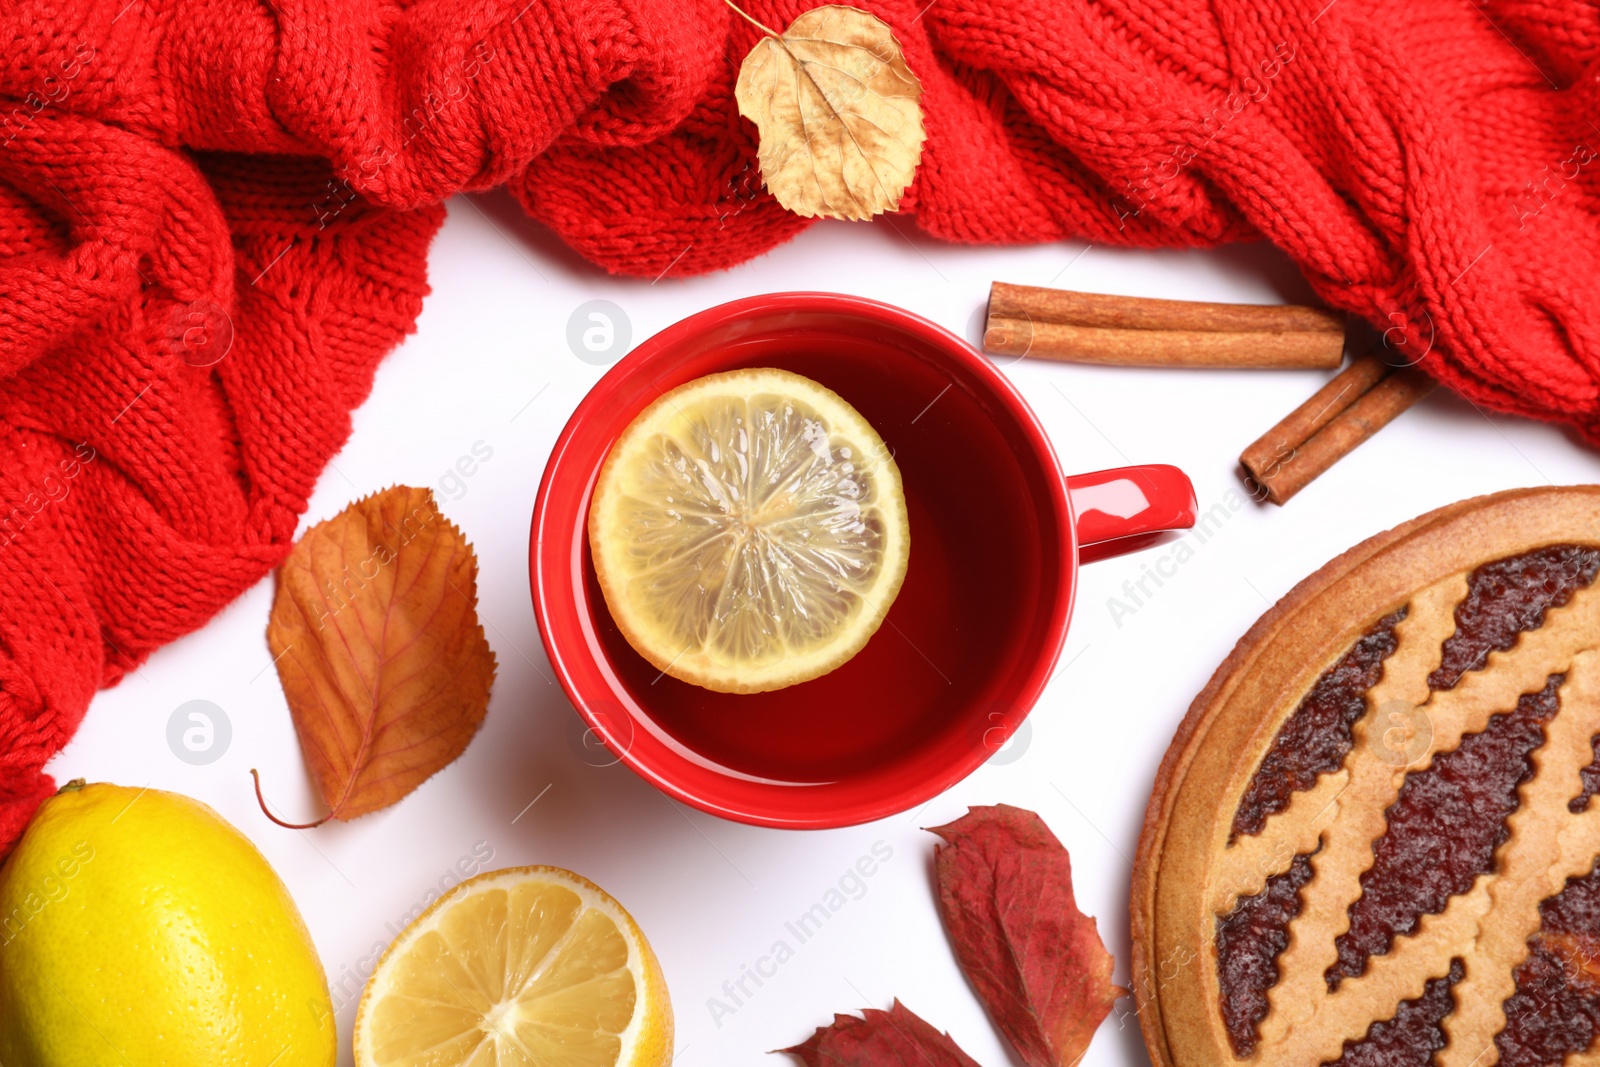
<point>215,215</point>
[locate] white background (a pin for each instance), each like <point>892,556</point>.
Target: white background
<point>490,367</point>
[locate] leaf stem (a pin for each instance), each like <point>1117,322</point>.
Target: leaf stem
<point>742,14</point>
<point>261,800</point>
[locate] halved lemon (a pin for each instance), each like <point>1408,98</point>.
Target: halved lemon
<point>749,531</point>
<point>524,967</point>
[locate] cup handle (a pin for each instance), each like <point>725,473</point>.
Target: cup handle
<point>1127,508</point>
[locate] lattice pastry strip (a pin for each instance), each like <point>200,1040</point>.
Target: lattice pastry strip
<point>1375,840</point>
<point>1527,869</point>
<point>1307,1026</point>
<point>1588,1058</point>
<point>1244,867</point>
<point>1247,863</point>
<point>1491,924</point>
<point>1398,975</point>
<point>1545,847</point>
<point>1347,845</point>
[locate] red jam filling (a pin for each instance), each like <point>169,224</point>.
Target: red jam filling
<point>1414,1034</point>
<point>1443,830</point>
<point>1591,781</point>
<point>1556,1008</point>
<point>1508,597</point>
<point>1249,940</point>
<point>1316,737</point>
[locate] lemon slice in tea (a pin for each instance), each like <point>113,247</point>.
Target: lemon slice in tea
<point>749,531</point>
<point>524,967</point>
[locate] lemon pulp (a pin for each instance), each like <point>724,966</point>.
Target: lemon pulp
<point>526,967</point>
<point>749,531</point>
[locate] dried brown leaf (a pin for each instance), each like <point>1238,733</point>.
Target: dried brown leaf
<point>375,634</point>
<point>838,111</point>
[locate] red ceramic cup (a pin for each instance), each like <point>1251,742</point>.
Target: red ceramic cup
<point>997,533</point>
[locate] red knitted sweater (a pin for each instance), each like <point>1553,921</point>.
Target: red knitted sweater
<point>181,179</point>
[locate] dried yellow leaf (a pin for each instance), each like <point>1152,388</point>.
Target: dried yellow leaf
<point>838,111</point>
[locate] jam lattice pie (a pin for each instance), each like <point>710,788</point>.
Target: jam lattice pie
<point>1372,842</point>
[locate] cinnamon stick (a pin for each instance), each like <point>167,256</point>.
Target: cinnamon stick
<point>1362,399</point>
<point>1136,331</point>
<point>1342,390</point>
<point>1009,301</point>
<point>1162,348</point>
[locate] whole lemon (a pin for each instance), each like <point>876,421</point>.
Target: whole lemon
<point>138,927</point>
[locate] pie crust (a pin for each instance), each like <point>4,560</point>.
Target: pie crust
<point>1415,897</point>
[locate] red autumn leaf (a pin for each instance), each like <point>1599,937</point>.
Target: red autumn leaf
<point>893,1038</point>
<point>375,633</point>
<point>1035,960</point>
